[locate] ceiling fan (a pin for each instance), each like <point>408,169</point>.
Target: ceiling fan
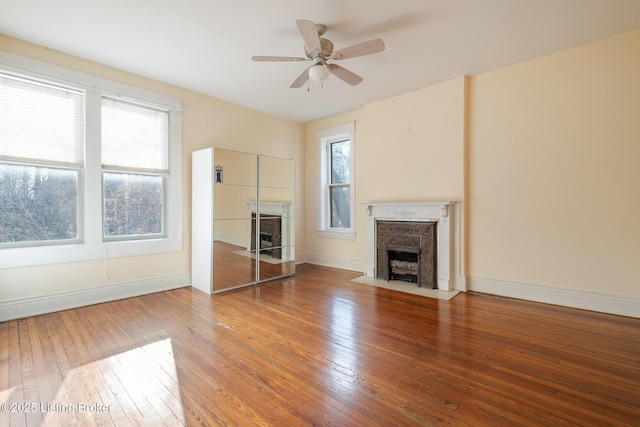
<point>320,50</point>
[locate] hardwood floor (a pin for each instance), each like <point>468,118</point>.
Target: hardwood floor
<point>317,349</point>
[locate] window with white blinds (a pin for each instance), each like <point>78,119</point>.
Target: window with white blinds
<point>42,134</point>
<point>89,168</point>
<point>40,122</point>
<point>135,147</point>
<point>134,136</point>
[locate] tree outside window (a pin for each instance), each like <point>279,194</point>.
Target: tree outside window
<point>38,204</point>
<point>339,186</point>
<point>133,205</point>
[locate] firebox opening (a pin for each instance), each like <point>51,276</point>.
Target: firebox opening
<point>266,243</point>
<point>404,264</point>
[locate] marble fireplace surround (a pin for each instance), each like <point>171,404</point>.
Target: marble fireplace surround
<point>447,216</point>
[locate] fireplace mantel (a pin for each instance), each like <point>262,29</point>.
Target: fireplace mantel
<point>447,216</point>
<point>271,208</point>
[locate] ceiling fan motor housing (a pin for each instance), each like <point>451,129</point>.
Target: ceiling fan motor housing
<point>326,49</point>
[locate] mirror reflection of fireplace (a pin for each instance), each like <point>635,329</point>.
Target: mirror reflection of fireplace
<point>270,235</point>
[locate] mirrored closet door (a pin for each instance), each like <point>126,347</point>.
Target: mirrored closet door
<point>243,221</point>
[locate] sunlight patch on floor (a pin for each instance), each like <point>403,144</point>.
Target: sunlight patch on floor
<point>141,381</point>
<point>5,394</point>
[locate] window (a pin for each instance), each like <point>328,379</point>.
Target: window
<point>39,205</point>
<point>41,159</point>
<point>85,165</point>
<point>135,145</point>
<point>339,184</point>
<point>336,201</point>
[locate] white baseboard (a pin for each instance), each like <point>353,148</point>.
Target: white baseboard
<point>612,304</point>
<point>25,307</point>
<point>343,264</point>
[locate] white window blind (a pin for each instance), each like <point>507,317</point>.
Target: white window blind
<point>134,136</point>
<point>40,123</point>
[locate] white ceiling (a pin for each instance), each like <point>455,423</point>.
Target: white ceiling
<point>207,45</point>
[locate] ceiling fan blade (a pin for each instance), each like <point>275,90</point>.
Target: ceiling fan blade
<point>309,34</point>
<point>302,79</point>
<point>279,58</point>
<point>344,74</point>
<point>360,49</point>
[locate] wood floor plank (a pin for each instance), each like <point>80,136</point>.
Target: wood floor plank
<point>318,349</point>
<point>51,379</point>
<point>16,395</point>
<point>69,390</point>
<point>29,378</point>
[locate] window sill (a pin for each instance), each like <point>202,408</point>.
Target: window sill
<point>30,256</point>
<point>334,234</point>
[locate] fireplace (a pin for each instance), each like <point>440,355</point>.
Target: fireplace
<point>441,255</point>
<point>406,250</point>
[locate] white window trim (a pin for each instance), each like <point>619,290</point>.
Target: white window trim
<point>324,137</point>
<point>93,247</point>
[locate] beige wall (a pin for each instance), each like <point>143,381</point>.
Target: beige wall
<point>544,156</point>
<point>407,148</point>
<point>206,122</point>
<point>554,181</point>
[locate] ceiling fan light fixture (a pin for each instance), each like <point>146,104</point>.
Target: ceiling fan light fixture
<point>318,72</point>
